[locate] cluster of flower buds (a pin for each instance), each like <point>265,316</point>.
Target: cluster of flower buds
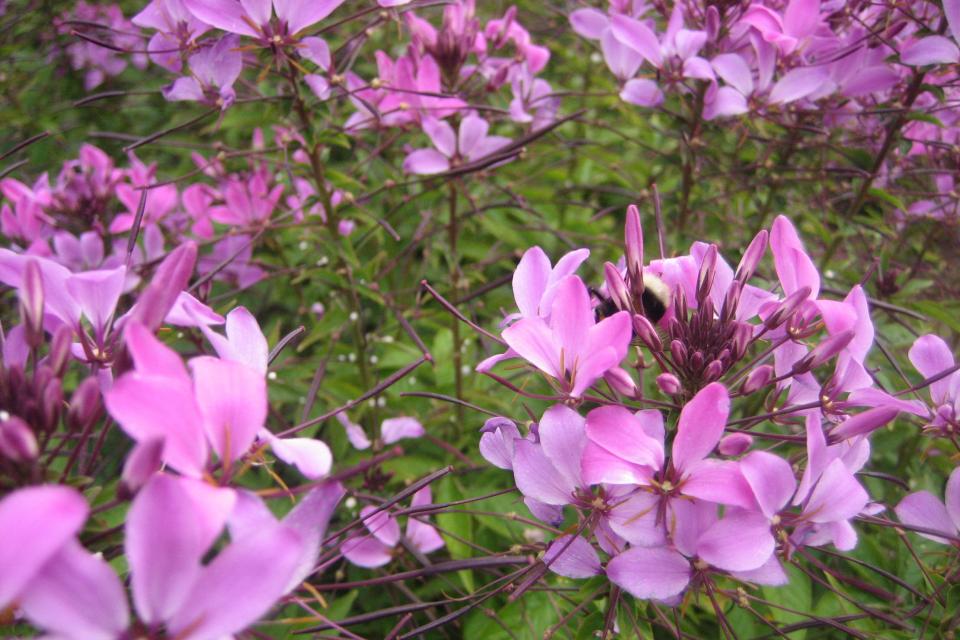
<point>675,506</point>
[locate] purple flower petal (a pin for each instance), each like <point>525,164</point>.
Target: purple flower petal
<point>799,83</point>
<point>426,162</point>
<point>930,50</point>
<point>394,429</point>
<point>638,37</point>
<point>646,573</point>
<point>36,523</point>
<point>700,426</point>
<point>739,542</point>
<point>589,23</point>
<point>572,557</point>
<point>77,595</point>
<point>923,509</point>
<point>930,355</point>
<point>537,478</point>
<point>241,584</point>
<point>642,92</point>
<point>171,524</point>
<point>233,402</point>
<point>771,478</point>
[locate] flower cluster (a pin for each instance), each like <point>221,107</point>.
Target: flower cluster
<point>678,504</point>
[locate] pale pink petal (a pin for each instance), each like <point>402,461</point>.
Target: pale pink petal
<point>622,60</point>
<point>533,341</point>
<point>394,429</point>
<point>233,402</point>
<point>150,356</point>
<point>77,595</point>
<point>930,355</point>
<point>638,37</point>
<point>771,478</point>
<point>718,481</point>
<point>923,509</point>
<point>97,293</point>
<point>770,573</point>
<point>930,50</point>
<point>593,366</point>
<point>620,432</point>
<point>589,23</point>
<point>366,551</point>
<point>572,557</point>
<point>473,129</point>
<point>151,407</point>
<point>381,524</point>
<point>247,342</point>
<point>794,267</point>
<point>562,438</point>
<point>442,136</point>
<point>36,522</point>
<point>310,518</point>
<point>300,14</point>
<point>733,69</point>
<point>426,162</point>
<point>222,14</point>
<point>496,443</point>
<point>599,466</point>
<point>951,9</point>
<point>530,281</point>
<point>241,584</point>
<point>355,433</point>
<point>837,495</point>
<point>187,311</point>
<point>537,478</point>
<point>312,457</point>
<point>636,520</point>
<point>171,524</point>
<point>317,51</point>
<point>642,92</point>
<point>646,573</point>
<point>801,17</point>
<point>700,426</point>
<point>952,497</point>
<point>799,83</point>
<point>739,542</point>
<point>421,535</point>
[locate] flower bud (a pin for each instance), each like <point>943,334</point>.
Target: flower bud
<point>59,355</point>
<point>712,22</point>
<point>84,403</point>
<point>742,337</point>
<point>616,287</point>
<point>758,378</point>
<point>827,349</point>
<point>679,352</point>
<point>31,304</point>
<point>345,227</point>
<point>731,302</point>
<point>646,333</point>
<point>620,381</point>
<point>51,404</point>
<point>697,360</point>
<point>734,444</point>
<point>713,371</point>
<point>17,442</point>
<point>751,257</point>
<point>863,423</point>
<point>144,461</point>
<point>318,310</point>
<point>170,279</point>
<point>708,273</point>
<point>669,384</point>
<point>787,308</point>
<point>633,242</point>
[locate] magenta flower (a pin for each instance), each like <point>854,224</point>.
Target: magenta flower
<point>213,70</point>
<point>930,356</point>
<point>391,430</point>
<point>176,28</point>
<point>788,31</point>
<point>172,525</point>
<point>254,18</point>
<point>740,542</point>
<point>923,509</point>
<point>573,348</point>
<point>222,406</point>
<point>628,449</point>
<point>451,150</point>
<point>246,345</point>
<point>377,547</point>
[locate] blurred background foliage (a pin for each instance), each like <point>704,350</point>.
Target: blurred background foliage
<point>719,183</point>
